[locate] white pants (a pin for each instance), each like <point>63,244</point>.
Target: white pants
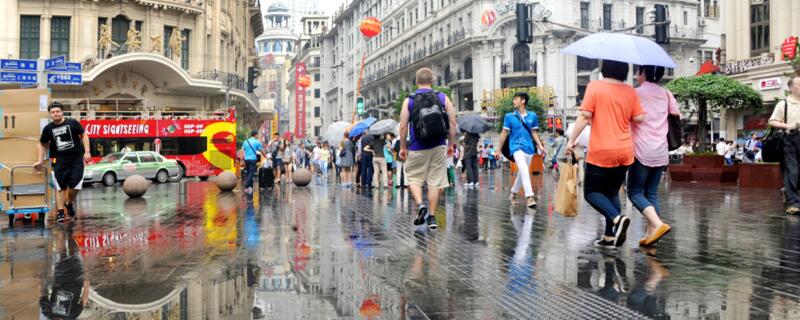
<point>401,166</point>
<point>523,180</point>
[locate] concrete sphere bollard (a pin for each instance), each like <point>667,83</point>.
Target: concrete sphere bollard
<point>301,177</point>
<point>226,181</point>
<point>135,186</point>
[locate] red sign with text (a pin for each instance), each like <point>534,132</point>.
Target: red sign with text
<point>300,101</point>
<point>789,48</point>
<point>145,128</point>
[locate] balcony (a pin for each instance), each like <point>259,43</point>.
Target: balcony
<point>186,6</point>
<point>524,68</point>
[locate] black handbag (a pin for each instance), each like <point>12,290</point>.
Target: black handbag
<point>772,151</point>
<point>675,133</point>
<point>506,149</point>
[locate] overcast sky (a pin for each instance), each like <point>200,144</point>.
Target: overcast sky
<point>329,6</point>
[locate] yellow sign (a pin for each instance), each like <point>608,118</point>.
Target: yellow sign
<point>492,98</point>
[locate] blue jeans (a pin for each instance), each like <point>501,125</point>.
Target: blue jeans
<point>366,170</point>
<point>251,171</point>
<point>643,184</point>
<point>601,191</point>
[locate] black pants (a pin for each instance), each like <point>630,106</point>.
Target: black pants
<point>601,190</point>
<point>471,166</point>
<point>791,172</point>
<point>251,172</point>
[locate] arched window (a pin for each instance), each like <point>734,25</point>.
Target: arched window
<point>468,68</point>
<point>119,29</point>
<point>522,57</point>
<point>278,47</point>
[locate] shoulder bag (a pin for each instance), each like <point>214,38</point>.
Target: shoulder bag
<point>773,143</point>
<point>258,155</point>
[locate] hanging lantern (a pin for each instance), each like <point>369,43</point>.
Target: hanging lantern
<point>304,81</point>
<point>371,27</point>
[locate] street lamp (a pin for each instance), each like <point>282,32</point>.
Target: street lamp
<point>564,35</point>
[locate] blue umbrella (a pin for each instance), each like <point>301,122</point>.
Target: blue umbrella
<point>361,126</point>
<point>621,47</point>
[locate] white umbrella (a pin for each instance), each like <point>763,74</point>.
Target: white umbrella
<point>383,127</point>
<point>335,132</point>
<point>621,47</point>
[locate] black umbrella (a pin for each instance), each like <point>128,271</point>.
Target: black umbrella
<point>473,123</point>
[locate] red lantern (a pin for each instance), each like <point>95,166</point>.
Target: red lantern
<point>304,81</point>
<point>370,27</point>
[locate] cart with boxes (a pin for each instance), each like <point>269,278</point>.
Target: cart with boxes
<point>25,191</point>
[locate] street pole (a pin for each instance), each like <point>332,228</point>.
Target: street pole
<point>40,74</point>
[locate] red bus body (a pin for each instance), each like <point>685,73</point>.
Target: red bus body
<point>203,147</point>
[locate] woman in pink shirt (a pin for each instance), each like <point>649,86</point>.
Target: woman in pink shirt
<point>651,150</point>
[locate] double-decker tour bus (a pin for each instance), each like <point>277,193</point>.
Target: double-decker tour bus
<point>204,144</point>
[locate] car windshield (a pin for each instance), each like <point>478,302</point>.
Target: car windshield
<point>111,158</point>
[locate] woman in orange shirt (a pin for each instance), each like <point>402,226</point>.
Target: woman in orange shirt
<point>611,106</point>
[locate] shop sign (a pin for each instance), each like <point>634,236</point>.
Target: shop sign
<point>789,48</point>
<point>742,66</point>
<point>770,83</point>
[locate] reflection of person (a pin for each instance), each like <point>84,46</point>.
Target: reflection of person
<point>65,292</point>
<point>71,151</point>
<point>643,296</point>
<point>611,105</point>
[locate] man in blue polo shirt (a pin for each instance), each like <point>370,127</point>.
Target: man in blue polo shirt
<point>523,143</point>
<point>252,148</point>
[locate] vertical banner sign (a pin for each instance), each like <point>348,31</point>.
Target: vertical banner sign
<point>789,48</point>
<point>299,101</point>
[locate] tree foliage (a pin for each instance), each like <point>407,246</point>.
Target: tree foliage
<point>506,105</point>
<point>720,92</point>
<point>398,104</point>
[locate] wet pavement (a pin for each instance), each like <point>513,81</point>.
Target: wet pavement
<point>187,251</point>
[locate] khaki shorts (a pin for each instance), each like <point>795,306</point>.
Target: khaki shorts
<point>427,166</point>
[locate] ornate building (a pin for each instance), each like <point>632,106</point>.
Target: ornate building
<point>160,56</point>
<point>313,26</point>
<point>276,49</point>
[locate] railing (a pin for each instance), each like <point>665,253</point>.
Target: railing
<point>527,66</point>
<point>230,80</point>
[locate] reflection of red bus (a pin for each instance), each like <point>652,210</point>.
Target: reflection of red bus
<point>203,146</point>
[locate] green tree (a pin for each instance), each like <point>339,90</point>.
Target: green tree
<point>398,104</point>
<point>715,92</point>
<point>506,105</point>
<point>242,134</point>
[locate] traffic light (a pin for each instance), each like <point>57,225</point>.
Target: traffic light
<point>252,76</point>
<point>662,24</point>
<point>523,27</point>
<point>360,105</point>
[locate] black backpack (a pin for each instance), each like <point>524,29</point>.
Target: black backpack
<point>429,117</point>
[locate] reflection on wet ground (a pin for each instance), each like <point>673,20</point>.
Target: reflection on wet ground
<point>187,251</point>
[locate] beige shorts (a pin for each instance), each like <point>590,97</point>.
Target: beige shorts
<point>427,166</point>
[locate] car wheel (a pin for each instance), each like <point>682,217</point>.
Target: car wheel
<point>162,176</point>
<point>180,175</point>
<point>109,179</point>
<point>203,178</point>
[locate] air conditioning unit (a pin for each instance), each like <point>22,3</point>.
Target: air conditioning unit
<point>702,22</point>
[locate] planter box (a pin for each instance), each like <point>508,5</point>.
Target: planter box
<point>730,174</point>
<point>707,175</point>
<point>680,172</point>
<point>704,161</point>
<point>760,175</point>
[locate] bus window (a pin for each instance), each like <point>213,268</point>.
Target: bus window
<point>172,146</point>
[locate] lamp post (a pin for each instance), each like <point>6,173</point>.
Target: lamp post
<point>564,35</point>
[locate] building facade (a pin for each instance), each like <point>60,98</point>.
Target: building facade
<point>313,26</point>
<point>276,49</point>
<point>473,50</point>
<point>161,56</point>
<point>299,9</point>
<point>752,54</point>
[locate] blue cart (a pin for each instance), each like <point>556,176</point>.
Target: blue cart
<point>31,190</point>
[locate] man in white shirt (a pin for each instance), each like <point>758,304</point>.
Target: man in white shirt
<point>786,116</point>
<point>722,147</point>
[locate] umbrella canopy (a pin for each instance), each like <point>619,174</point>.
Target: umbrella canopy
<point>288,135</point>
<point>335,132</point>
<point>707,67</point>
<point>473,123</point>
<point>383,127</point>
<point>361,126</point>
<point>621,47</point>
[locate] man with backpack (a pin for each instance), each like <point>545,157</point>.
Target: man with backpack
<point>521,128</point>
<point>433,122</point>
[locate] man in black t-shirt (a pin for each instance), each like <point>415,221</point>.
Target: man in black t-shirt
<point>69,146</point>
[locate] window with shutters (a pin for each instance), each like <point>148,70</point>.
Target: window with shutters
<point>29,37</point>
<point>119,29</point>
<point>759,28</point>
<point>607,16</point>
<point>59,37</point>
<point>165,40</point>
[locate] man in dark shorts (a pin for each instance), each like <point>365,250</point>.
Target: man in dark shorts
<point>69,146</point>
